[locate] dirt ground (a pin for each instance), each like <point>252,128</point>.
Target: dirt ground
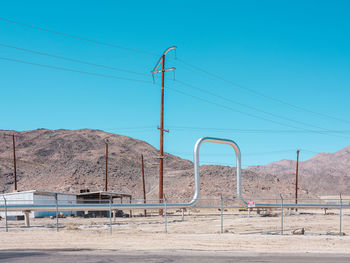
<point>197,231</point>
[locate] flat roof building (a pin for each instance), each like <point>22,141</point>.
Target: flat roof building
<point>37,197</point>
<point>100,197</point>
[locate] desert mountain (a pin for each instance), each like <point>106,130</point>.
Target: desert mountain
<point>323,174</point>
<point>70,160</point>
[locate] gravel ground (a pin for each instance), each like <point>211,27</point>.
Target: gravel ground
<point>199,231</point>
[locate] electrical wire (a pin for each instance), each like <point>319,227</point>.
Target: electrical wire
<point>130,128</point>
<point>309,151</point>
<point>222,163</point>
<point>187,128</point>
<point>73,70</point>
<point>170,88</point>
<point>78,37</point>
<point>111,76</point>
<point>247,131</point>
<point>257,93</point>
<point>248,114</point>
<point>181,82</point>
<point>180,60</point>
<point>245,154</point>
<point>248,106</point>
<point>73,60</point>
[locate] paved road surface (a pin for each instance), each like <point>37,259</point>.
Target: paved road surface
<point>98,256</point>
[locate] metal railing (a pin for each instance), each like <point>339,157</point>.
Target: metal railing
<point>56,206</point>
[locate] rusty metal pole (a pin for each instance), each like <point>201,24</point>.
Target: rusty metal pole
<point>296,179</point>
<point>161,153</point>
<point>143,183</point>
<point>156,69</point>
<point>106,175</point>
<point>340,215</point>
<point>14,159</point>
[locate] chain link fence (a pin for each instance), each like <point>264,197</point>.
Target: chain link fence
<point>208,216</point>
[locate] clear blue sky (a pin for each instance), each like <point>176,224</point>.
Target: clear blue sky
<point>294,51</point>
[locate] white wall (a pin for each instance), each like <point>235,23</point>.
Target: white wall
<point>24,198</point>
<point>21,198</point>
<point>63,199</point>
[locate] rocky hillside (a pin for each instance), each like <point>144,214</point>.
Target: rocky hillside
<point>70,160</point>
<point>323,174</point>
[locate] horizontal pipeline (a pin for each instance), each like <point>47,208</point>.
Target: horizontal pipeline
<point>89,207</point>
<point>106,207</point>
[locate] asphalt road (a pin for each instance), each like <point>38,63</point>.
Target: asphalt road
<point>98,256</point>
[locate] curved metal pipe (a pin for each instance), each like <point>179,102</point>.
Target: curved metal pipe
<point>196,164</point>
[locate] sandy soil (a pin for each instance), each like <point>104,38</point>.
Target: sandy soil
<point>198,231</point>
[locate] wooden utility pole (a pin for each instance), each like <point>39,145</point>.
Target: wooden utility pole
<point>14,159</point>
<point>161,62</point>
<point>296,178</point>
<point>106,169</point>
<point>143,183</point>
<point>161,129</point>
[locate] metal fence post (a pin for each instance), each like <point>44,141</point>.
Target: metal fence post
<point>281,214</point>
<point>56,198</point>
<point>165,216</point>
<point>110,215</point>
<point>6,224</point>
<point>222,215</point>
<point>340,215</point>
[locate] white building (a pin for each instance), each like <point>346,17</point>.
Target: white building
<point>35,197</point>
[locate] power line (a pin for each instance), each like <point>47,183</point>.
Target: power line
<point>122,78</point>
<point>245,131</point>
<point>187,128</point>
<point>245,154</point>
<point>309,151</point>
<point>216,163</point>
<point>222,163</point>
<point>182,61</point>
<point>257,93</point>
<point>73,70</point>
<point>248,106</point>
<point>73,60</point>
<point>181,82</point>
<point>227,107</point>
<point>78,37</point>
<point>111,76</point>
<point>130,128</point>
<point>173,89</point>
<point>247,114</point>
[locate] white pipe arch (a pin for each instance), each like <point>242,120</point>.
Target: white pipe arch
<point>196,165</point>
